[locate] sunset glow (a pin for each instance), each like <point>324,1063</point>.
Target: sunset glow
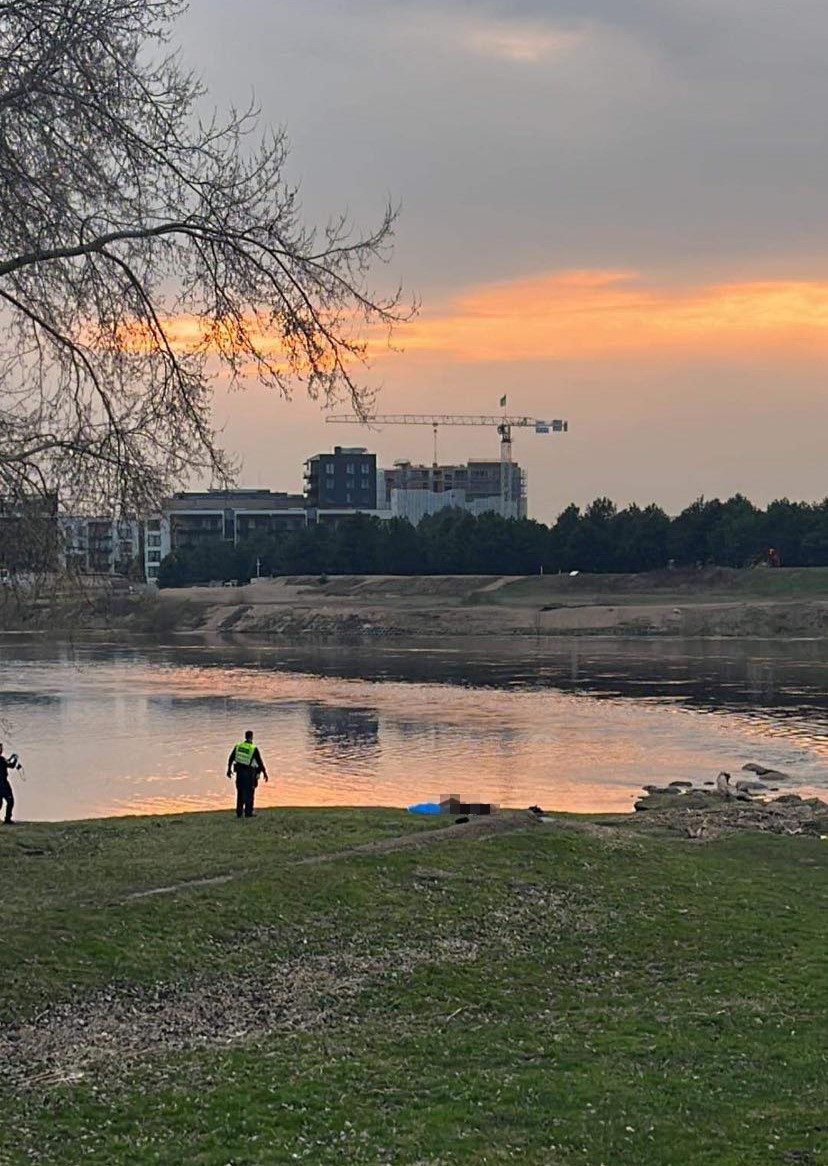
<point>563,315</point>
<point>577,314</point>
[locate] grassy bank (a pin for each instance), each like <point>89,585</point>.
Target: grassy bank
<point>200,990</point>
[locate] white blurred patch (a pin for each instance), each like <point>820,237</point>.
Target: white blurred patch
<point>528,44</point>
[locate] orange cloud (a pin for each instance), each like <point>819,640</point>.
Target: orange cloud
<point>570,314</point>
<point>579,315</point>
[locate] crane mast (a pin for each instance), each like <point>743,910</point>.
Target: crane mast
<point>504,424</point>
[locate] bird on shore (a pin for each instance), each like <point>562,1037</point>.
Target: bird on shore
<point>728,791</point>
<point>723,784</point>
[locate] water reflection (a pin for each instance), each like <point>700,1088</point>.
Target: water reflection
<point>344,729</point>
<point>570,725</point>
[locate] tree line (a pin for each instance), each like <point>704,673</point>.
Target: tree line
<point>601,538</point>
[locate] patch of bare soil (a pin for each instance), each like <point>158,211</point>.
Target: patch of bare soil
<point>128,1022</point>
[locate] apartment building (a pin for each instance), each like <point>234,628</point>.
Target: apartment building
<point>343,480</point>
<point>101,545</point>
<point>190,518</point>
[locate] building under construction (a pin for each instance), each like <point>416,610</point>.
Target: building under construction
<point>412,491</point>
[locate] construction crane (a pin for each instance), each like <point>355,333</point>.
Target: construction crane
<point>502,422</point>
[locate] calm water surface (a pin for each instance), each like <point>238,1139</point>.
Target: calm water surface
<point>570,724</point>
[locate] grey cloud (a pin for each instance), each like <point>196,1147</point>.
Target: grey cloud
<point>679,133</point>
<point>686,138</point>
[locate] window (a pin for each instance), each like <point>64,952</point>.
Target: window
<point>349,497</point>
<point>349,469</point>
<point>366,469</point>
<point>329,470</point>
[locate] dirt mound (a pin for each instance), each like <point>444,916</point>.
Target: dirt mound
<point>704,814</point>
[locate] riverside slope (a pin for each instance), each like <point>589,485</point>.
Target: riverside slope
<point>360,986</point>
<point>713,602</point>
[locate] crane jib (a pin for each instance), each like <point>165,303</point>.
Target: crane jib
<point>458,419</point>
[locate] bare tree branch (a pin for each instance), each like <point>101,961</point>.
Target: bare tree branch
<point>120,213</point>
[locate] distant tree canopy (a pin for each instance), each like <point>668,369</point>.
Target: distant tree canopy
<point>602,538</point>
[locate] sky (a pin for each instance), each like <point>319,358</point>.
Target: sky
<point>614,213</point>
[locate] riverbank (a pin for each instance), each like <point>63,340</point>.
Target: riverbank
<point>364,986</point>
<point>713,602</point>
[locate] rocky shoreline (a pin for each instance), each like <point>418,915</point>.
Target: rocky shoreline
<point>701,812</point>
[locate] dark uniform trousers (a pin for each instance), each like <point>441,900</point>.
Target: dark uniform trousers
<point>246,782</point>
<point>6,796</point>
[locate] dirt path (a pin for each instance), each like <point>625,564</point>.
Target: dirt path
<point>474,830</point>
<point>217,880</point>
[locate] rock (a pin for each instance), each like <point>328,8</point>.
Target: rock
<point>678,800</point>
<point>762,771</point>
<point>786,799</point>
<point>681,784</point>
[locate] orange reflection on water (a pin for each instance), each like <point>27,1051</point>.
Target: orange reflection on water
<point>133,736</point>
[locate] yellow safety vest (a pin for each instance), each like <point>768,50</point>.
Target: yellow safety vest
<point>244,753</point>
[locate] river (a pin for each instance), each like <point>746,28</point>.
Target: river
<point>570,724</point>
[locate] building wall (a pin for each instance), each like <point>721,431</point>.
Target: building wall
<point>346,478</point>
<point>188,519</point>
<point>101,545</point>
<point>415,505</point>
<point>30,538</point>
<point>479,481</point>
<point>157,545</point>
<point>337,514</point>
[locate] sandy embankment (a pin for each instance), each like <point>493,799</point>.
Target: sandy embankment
<point>717,603</point>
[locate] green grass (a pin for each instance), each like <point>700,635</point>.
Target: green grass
<point>713,585</point>
<point>545,996</point>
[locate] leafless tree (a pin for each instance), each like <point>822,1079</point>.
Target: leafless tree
<point>124,217</point>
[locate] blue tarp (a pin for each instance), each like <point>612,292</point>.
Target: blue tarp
<point>426,808</point>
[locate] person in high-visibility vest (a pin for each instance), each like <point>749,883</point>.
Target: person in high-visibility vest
<point>246,759</point>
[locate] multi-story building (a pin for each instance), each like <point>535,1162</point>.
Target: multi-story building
<point>343,480</point>
<point>101,545</point>
<point>191,518</point>
<point>475,486</point>
<point>29,533</point>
